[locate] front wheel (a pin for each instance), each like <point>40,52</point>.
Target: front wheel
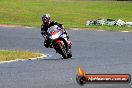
<point>62,51</point>
<point>69,55</point>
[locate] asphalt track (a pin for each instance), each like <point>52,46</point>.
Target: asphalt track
<point>97,52</point>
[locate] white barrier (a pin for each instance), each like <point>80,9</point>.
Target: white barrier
<point>109,22</point>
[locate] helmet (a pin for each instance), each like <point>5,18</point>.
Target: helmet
<point>46,18</point>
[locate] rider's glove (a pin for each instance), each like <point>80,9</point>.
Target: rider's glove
<point>62,26</point>
<point>66,34</point>
<point>67,37</point>
<point>64,31</point>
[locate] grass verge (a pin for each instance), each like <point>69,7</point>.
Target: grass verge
<point>7,55</point>
<point>73,13</point>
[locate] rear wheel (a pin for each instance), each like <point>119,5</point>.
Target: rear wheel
<point>62,51</point>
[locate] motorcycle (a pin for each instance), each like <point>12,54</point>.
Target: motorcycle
<point>59,41</point>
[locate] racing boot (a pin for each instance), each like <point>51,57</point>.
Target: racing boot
<point>47,43</point>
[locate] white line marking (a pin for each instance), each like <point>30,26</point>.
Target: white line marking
<point>75,29</point>
<point>124,31</point>
<point>101,30</point>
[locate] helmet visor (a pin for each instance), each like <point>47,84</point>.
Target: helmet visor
<point>45,20</point>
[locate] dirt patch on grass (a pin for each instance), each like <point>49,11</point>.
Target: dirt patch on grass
<point>11,25</point>
<point>8,25</point>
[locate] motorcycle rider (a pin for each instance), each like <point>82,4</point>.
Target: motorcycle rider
<point>47,23</point>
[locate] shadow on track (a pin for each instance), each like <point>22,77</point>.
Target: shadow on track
<point>50,58</point>
<point>55,59</point>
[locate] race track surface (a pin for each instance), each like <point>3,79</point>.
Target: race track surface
<point>96,52</point>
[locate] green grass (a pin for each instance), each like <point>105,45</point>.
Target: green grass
<point>73,13</point>
<point>6,55</point>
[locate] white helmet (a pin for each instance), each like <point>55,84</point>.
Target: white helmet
<point>46,18</point>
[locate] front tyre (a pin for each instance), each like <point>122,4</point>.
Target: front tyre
<point>62,51</point>
<point>69,55</point>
